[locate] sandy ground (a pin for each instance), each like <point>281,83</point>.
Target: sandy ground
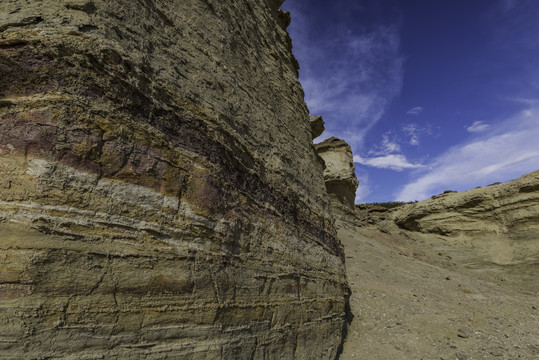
<point>405,308</point>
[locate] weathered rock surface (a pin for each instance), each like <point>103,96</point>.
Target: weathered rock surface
<point>340,177</point>
<point>491,231</point>
<point>408,309</point>
<point>510,208</point>
<point>160,196</point>
<point>317,126</point>
<point>370,214</point>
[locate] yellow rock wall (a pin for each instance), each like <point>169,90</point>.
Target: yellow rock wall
<point>159,193</point>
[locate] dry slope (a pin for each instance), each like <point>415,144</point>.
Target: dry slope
<point>452,277</point>
<point>405,308</point>
<point>490,232</point>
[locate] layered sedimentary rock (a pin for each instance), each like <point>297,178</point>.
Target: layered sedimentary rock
<point>490,230</point>
<point>160,196</point>
<point>501,220</point>
<point>510,208</point>
<point>410,309</point>
<point>340,177</point>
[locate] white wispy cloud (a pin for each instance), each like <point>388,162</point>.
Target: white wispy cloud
<point>349,75</point>
<point>387,155</point>
<point>412,131</point>
<point>505,151</point>
<point>386,147</point>
<point>415,132</point>
<point>397,162</point>
<point>389,145</point>
<point>363,189</point>
<point>415,110</point>
<point>477,126</point>
<point>525,101</point>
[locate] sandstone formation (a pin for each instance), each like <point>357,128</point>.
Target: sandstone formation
<point>370,214</point>
<point>340,177</point>
<point>492,231</point>
<point>160,196</point>
<point>410,309</point>
<point>510,209</point>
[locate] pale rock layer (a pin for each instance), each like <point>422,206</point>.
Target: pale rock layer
<point>340,177</point>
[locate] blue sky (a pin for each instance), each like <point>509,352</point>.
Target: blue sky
<point>431,95</point>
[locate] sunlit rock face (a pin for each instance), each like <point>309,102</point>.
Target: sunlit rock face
<point>160,196</point>
<point>492,229</point>
<point>340,177</point>
<point>510,209</point>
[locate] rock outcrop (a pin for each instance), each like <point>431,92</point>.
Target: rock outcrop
<point>340,177</point>
<point>490,231</point>
<point>160,196</point>
<point>410,309</point>
<point>317,126</point>
<point>510,209</point>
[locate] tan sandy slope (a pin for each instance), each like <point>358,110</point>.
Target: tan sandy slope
<point>453,277</point>
<point>408,309</point>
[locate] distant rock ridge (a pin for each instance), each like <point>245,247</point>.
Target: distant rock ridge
<point>489,230</point>
<point>160,195</point>
<point>504,208</point>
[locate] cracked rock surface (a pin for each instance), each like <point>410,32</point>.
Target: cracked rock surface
<point>160,197</point>
<point>340,177</point>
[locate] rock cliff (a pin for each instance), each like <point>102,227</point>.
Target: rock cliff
<point>340,177</point>
<point>317,126</point>
<point>160,196</point>
<point>491,231</point>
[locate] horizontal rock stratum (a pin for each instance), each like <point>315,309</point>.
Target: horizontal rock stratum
<point>160,196</point>
<point>501,221</point>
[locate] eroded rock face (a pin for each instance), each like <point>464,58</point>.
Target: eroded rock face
<point>490,230</point>
<point>340,177</point>
<point>510,209</point>
<point>159,193</point>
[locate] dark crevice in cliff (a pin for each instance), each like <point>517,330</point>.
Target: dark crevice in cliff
<point>349,317</point>
<point>32,20</point>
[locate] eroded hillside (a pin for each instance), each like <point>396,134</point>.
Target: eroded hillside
<point>452,277</point>
<point>491,232</point>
